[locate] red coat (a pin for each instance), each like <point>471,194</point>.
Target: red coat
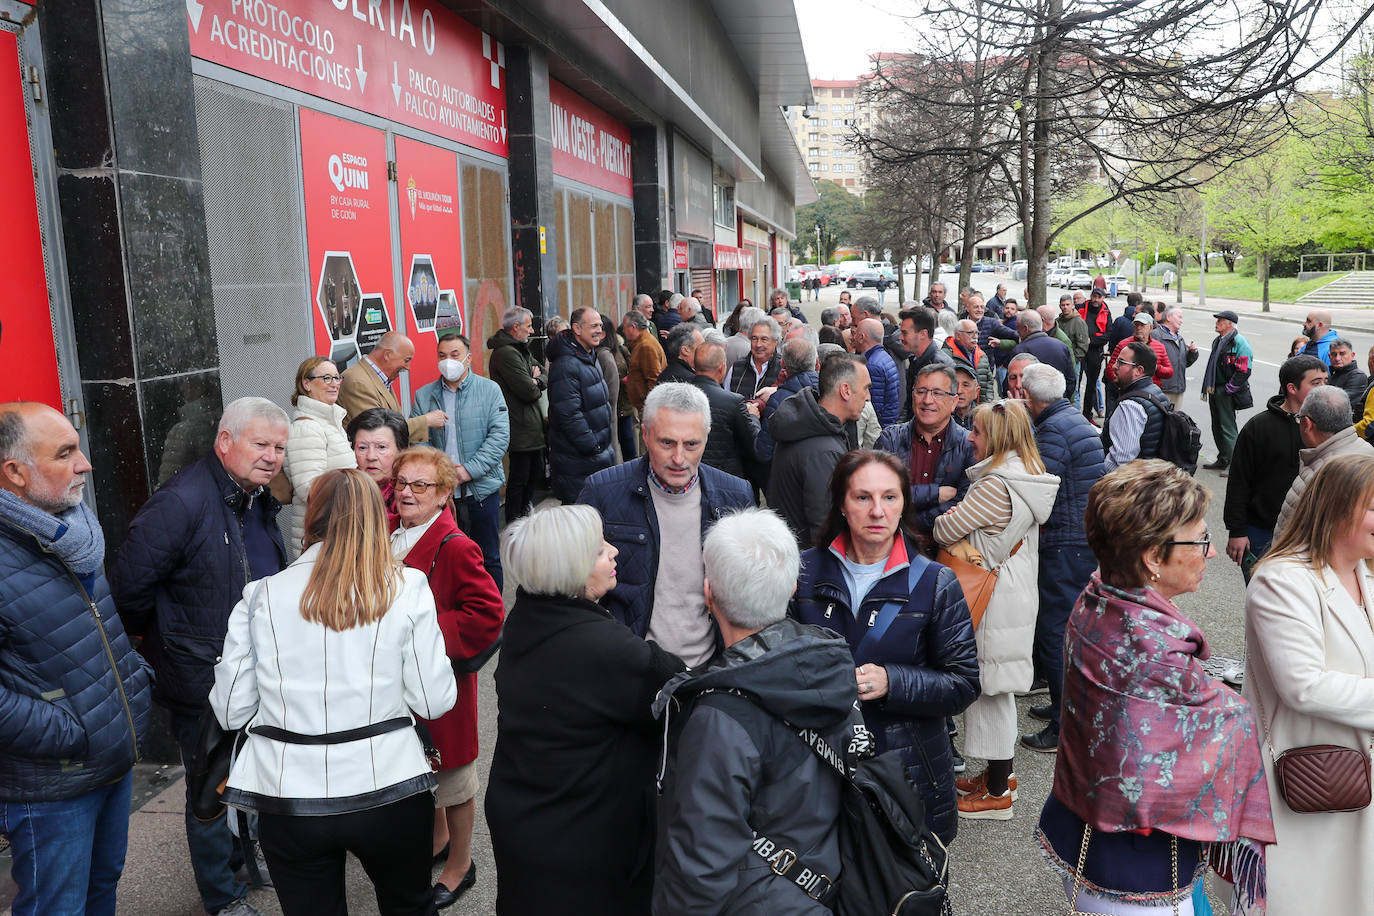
<point>470,616</point>
<point>1163,368</point>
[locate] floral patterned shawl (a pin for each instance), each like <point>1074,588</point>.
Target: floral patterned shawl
<point>1149,740</point>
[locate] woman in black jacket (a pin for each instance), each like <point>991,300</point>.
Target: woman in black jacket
<point>904,617</point>
<point>570,797</point>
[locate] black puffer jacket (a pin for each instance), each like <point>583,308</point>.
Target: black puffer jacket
<point>927,649</point>
<point>676,371</point>
<point>733,429</point>
<point>182,569</point>
<point>581,417</point>
<point>810,440</point>
<point>733,769</point>
<point>509,366</point>
<point>1264,465</point>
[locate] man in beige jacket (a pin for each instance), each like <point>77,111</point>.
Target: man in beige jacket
<point>1325,423</point>
<point>367,384</point>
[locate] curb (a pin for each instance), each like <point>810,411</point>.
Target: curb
<point>1270,316</point>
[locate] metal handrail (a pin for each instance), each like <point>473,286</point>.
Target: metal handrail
<point>1358,260</point>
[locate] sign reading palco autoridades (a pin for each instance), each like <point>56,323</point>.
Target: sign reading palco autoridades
<point>410,61</point>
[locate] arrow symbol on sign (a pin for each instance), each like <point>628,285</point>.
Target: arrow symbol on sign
<point>503,127</point>
<point>396,81</point>
<point>362,74</point>
<point>194,9</point>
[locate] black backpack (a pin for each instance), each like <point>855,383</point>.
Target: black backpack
<point>1180,439</point>
<point>890,861</point>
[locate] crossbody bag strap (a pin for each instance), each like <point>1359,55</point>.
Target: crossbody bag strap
<point>438,550</point>
<point>918,567</point>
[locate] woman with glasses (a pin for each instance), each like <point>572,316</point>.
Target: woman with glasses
<point>470,614</point>
<point>997,525</point>
<point>317,442</point>
<point>324,663</point>
<point>378,435</point>
<point>1309,671</point>
<point>1159,766</point>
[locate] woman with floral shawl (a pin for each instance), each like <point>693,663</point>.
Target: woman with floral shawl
<point>1159,769</point>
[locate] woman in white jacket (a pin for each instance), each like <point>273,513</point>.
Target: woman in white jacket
<point>317,442</point>
<point>1009,497</point>
<point>325,662</point>
<point>1309,673</point>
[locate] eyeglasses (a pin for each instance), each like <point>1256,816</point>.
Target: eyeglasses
<point>1205,543</point>
<point>327,379</point>
<point>1122,362</point>
<point>931,392</point>
<point>418,487</point>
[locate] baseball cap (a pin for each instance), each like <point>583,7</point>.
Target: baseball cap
<point>1142,318</point>
<point>1228,315</point>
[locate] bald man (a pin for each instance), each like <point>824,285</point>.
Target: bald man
<point>886,393</point>
<point>367,384</point>
<point>1318,330</point>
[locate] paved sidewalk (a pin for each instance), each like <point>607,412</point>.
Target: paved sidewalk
<point>1341,319</point>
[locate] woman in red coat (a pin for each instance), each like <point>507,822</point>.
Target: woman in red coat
<point>470,617</point>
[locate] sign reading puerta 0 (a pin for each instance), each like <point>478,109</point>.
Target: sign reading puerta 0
<point>410,61</point>
<point>589,145</point>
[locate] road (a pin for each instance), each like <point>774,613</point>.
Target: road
<point>996,868</point>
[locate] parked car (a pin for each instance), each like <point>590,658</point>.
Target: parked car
<point>1078,279</point>
<point>981,267</point>
<point>1123,284</point>
<point>1057,277</point>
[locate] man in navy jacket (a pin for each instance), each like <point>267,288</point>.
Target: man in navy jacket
<point>74,695</point>
<point>942,445</point>
<point>191,551</point>
<point>1045,348</point>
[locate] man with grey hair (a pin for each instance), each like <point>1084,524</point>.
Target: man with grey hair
<point>735,767</point>
<point>680,348</point>
<point>1046,349</point>
<point>647,359</point>
<point>190,552</point>
<point>830,317</point>
<point>778,299</point>
<point>656,510</point>
<point>74,706</point>
<point>759,369</point>
<point>737,346</point>
<point>1181,353</point>
<point>1015,367</point>
<point>1328,430</point>
<point>1071,449</point>
<point>1345,373</point>
<point>517,372</point>
<point>783,316</point>
<point>932,445</point>
<point>689,309</point>
<point>734,421</point>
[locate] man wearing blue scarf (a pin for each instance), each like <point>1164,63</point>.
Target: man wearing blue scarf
<point>74,696</point>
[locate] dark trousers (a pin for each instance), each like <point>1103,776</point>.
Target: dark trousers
<point>1223,411</point>
<point>526,473</point>
<point>306,856</point>
<point>628,440</point>
<point>1092,369</point>
<point>215,852</point>
<point>481,521</point>
<point>1064,573</point>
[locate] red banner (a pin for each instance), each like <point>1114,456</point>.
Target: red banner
<point>728,257</point>
<point>679,255</point>
<point>347,228</point>
<point>410,61</point>
<point>28,356</point>
<point>589,145</point>
<point>431,251</point>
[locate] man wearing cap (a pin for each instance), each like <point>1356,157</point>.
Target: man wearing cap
<point>1226,385</point>
<point>1144,325</point>
<point>966,396</point>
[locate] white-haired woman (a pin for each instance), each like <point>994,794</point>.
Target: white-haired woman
<point>570,800</point>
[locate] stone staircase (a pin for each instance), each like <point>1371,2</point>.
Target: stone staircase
<point>1354,290</point>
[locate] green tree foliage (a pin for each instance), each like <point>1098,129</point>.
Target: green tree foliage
<point>834,213</point>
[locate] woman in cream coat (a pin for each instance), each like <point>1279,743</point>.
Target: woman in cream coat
<point>317,442</point>
<point>326,663</point>
<point>1309,673</point>
<point>1009,497</point>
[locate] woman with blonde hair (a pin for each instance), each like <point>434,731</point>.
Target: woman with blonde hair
<point>317,442</point>
<point>996,525</point>
<point>1309,671</point>
<point>325,662</point>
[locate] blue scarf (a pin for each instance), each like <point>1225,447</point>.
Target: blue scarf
<point>75,535</point>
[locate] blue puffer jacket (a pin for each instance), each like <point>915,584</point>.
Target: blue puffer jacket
<point>74,695</point>
<point>927,649</point>
<point>581,417</point>
<point>483,425</point>
<point>621,495</point>
<point>763,443</point>
<point>886,393</point>
<point>182,569</point>
<point>1071,448</point>
<point>956,457</point>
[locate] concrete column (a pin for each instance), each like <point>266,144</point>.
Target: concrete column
<point>653,248</point>
<point>531,183</point>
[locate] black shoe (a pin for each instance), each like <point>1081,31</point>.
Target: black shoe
<point>959,765</point>
<point>1217,465</point>
<point>441,856</point>
<point>443,897</point>
<point>1038,686</point>
<point>1042,713</point>
<point>1044,741</point>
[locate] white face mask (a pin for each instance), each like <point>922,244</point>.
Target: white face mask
<point>453,370</point>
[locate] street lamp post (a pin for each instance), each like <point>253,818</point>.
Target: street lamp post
<point>818,244</point>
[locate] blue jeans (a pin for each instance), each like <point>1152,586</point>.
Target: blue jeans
<point>1064,573</point>
<point>1260,540</point>
<point>484,527</point>
<point>626,430</point>
<point>68,854</point>
<point>214,850</point>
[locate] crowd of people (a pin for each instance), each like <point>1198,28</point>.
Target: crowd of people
<point>755,529</point>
